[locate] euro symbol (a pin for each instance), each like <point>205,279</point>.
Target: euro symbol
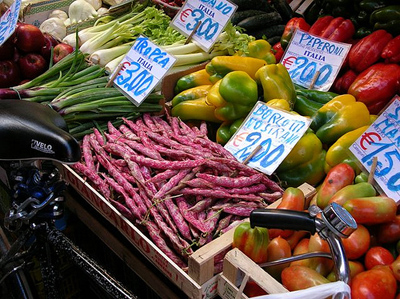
<point>184,14</point>
<point>369,138</point>
<point>288,61</point>
<point>239,138</point>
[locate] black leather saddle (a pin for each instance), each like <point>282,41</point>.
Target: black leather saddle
<point>34,131</point>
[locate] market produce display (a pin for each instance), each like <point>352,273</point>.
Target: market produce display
<point>163,164</point>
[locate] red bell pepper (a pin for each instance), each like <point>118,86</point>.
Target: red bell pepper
<point>376,86</point>
<point>368,50</point>
<point>336,29</point>
<point>342,83</point>
<point>391,52</point>
<point>291,26</point>
<point>253,242</point>
<point>278,51</point>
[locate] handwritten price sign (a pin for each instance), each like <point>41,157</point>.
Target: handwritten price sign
<point>8,21</point>
<point>382,140</point>
<point>274,130</point>
<point>142,68</point>
<point>206,17</point>
<point>310,58</point>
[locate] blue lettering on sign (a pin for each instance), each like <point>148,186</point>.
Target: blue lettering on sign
<point>143,47</point>
<point>314,55</point>
<point>136,81</point>
<point>207,29</point>
<point>220,6</point>
<point>207,11</point>
<point>317,43</point>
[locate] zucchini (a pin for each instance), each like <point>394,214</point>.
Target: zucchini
<point>260,21</point>
<point>243,14</point>
<point>273,40</point>
<point>268,32</point>
<point>284,9</point>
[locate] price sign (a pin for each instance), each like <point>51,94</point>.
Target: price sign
<point>274,131</point>
<point>310,59</point>
<point>142,68</point>
<point>206,17</point>
<point>8,21</point>
<point>382,140</point>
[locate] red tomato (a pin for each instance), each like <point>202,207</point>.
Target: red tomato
<point>301,247</point>
<point>395,267</point>
<point>377,255</point>
<point>300,277</point>
<point>322,265</point>
<point>278,248</point>
<point>376,283</point>
<point>390,231</point>
<point>357,244</point>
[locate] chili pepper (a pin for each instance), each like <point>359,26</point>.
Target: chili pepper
<point>363,189</point>
<point>368,50</point>
<point>319,96</point>
<point>337,29</point>
<point>342,83</point>
<point>304,163</point>
<point>227,130</point>
<point>339,151</point>
<point>340,115</point>
<point>305,106</point>
<point>219,66</point>
<point>376,85</point>
<point>387,18</point>
<point>197,78</point>
<point>291,26</point>
<point>191,94</point>
<point>391,52</point>
<point>278,51</point>
<point>261,49</point>
<point>276,83</point>
<point>240,93</point>
<point>338,177</point>
<point>196,109</point>
<point>252,241</point>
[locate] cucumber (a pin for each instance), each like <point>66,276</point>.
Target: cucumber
<point>284,9</point>
<point>268,32</point>
<point>243,14</point>
<point>261,21</point>
<point>253,4</point>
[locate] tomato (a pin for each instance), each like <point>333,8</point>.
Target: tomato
<point>395,267</point>
<point>376,283</point>
<point>252,289</point>
<point>300,277</point>
<point>302,247</point>
<point>390,231</point>
<point>377,255</point>
<point>357,244</point>
<point>277,248</point>
<point>355,268</point>
<point>295,238</point>
<point>322,265</point>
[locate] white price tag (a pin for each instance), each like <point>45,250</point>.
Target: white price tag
<point>382,140</point>
<point>312,59</point>
<point>274,131</point>
<point>142,68</point>
<point>206,17</point>
<point>8,21</point>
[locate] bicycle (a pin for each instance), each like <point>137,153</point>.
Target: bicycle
<point>33,135</point>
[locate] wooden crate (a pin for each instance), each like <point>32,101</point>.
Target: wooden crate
<point>238,269</point>
<point>200,280</point>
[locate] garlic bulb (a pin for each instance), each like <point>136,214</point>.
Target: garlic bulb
<point>55,27</point>
<point>102,11</point>
<point>95,3</point>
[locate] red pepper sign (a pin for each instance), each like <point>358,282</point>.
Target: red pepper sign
<point>382,140</point>
<point>313,61</point>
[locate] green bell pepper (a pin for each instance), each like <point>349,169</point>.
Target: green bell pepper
<point>276,83</point>
<point>240,93</point>
<point>387,18</point>
<point>305,162</point>
<point>227,129</point>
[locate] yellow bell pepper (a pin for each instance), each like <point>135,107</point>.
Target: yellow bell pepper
<point>261,48</point>
<point>196,109</point>
<point>191,94</point>
<point>197,78</point>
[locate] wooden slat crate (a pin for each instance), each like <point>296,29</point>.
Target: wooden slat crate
<point>200,280</point>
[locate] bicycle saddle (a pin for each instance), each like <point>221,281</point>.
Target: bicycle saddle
<point>34,131</point>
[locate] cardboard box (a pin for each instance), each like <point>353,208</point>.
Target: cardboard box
<point>37,13</point>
